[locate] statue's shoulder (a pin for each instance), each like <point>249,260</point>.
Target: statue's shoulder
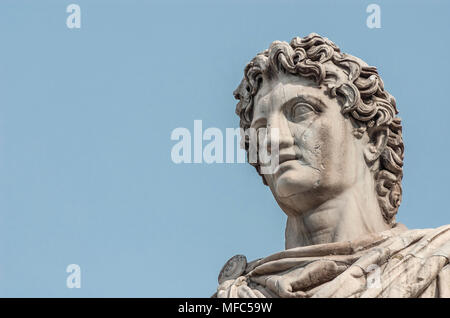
<point>406,263</point>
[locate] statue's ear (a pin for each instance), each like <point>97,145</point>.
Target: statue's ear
<point>376,145</point>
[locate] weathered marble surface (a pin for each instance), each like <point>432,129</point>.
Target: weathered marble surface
<point>338,180</point>
<point>412,263</point>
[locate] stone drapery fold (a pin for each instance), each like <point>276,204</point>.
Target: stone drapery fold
<point>396,263</point>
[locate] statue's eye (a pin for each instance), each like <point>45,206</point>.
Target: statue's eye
<point>301,111</point>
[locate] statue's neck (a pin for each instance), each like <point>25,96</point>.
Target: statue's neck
<point>353,213</point>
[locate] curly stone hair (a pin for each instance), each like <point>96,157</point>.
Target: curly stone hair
<point>361,95</point>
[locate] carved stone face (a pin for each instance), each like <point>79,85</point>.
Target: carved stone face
<point>319,155</point>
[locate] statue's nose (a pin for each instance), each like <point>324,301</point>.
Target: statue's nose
<point>278,132</point>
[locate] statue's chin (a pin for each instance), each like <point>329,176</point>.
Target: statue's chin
<point>289,184</point>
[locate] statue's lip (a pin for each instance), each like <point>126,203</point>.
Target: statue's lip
<point>286,157</point>
<point>283,158</point>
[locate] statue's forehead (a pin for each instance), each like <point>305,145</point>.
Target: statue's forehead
<point>280,89</point>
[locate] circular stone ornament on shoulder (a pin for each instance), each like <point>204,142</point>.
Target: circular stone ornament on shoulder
<point>233,268</point>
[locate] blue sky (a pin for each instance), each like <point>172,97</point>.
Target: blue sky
<point>86,115</point>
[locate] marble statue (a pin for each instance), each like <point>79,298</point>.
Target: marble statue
<point>338,181</point>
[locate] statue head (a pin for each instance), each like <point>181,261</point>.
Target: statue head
<point>335,120</point>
